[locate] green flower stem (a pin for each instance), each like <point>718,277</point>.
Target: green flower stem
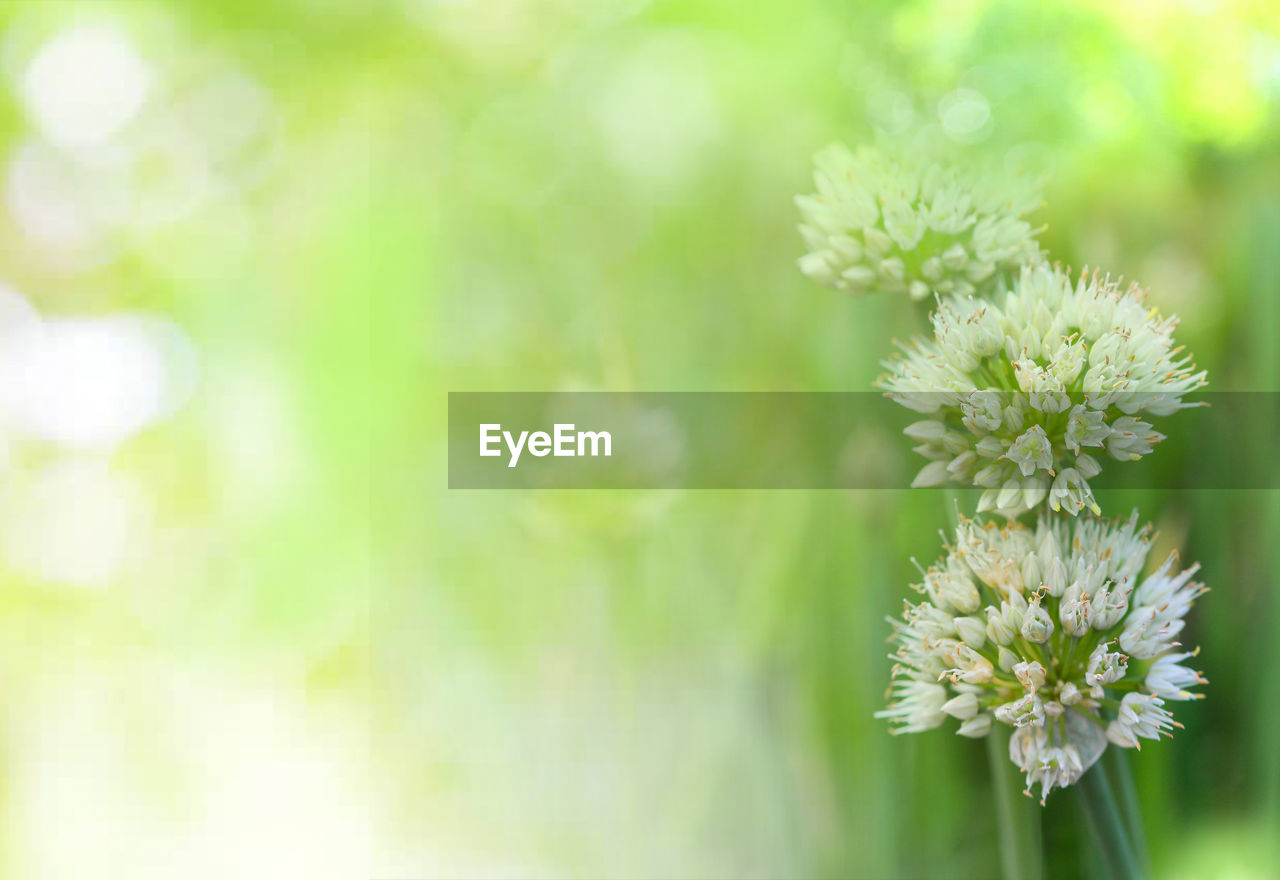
<point>1109,835</point>
<point>1122,774</point>
<point>1017,817</point>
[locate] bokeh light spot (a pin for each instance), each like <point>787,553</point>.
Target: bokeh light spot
<point>90,383</point>
<point>964,115</point>
<point>85,85</point>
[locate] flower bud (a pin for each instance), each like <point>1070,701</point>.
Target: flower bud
<point>1071,490</point>
<point>1031,673</point>
<point>1088,466</point>
<point>877,242</point>
<point>1105,667</point>
<point>925,431</point>
<point>1001,628</point>
<point>935,473</point>
<point>1037,626</point>
<point>961,467</point>
<point>1027,709</point>
<point>955,257</point>
<point>1055,578</point>
<point>971,667</point>
<point>1131,438</point>
<point>962,707</point>
<point>952,588</point>
<point>1014,417</point>
<point>1140,716</point>
<point>976,727</point>
<point>1031,451</point>
<point>1010,494</point>
<point>931,621</point>
<point>972,631</point>
<point>1109,606</point>
<point>1007,659</point>
<point>1074,612</point>
<point>1085,427</point>
<point>989,446</point>
<point>981,413</point>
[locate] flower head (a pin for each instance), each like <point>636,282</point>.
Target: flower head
<point>1025,396</point>
<point>882,224</point>
<point>1052,631</point>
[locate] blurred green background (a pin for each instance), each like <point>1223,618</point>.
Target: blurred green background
<point>247,248</point>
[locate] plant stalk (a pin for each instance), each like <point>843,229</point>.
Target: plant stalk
<point>1109,835</point>
<point>1017,817</point>
<point>1122,775</point>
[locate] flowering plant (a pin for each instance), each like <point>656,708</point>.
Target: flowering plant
<point>879,223</point>
<point>1051,630</point>
<point>1026,391</point>
<point>1044,629</point>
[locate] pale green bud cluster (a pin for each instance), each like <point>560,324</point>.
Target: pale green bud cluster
<point>883,224</point>
<point>1051,631</point>
<point>1026,393</point>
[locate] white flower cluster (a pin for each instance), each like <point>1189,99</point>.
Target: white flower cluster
<point>1051,631</point>
<point>1025,394</point>
<point>879,224</point>
<point>1029,378</point>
